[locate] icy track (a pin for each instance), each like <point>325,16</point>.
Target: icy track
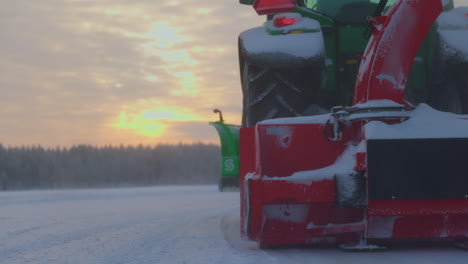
<point>158,225</point>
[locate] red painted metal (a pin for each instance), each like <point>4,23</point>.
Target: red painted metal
<point>324,223</point>
<point>439,226</point>
<point>417,207</point>
<point>333,229</point>
<point>389,55</point>
<point>417,219</point>
<point>283,21</point>
<point>286,149</point>
<point>247,166</point>
<point>421,228</point>
<point>266,7</point>
<point>247,148</point>
<point>361,161</point>
<point>283,191</point>
<point>282,150</point>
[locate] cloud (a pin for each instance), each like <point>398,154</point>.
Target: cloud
<point>71,67</point>
<point>194,129</point>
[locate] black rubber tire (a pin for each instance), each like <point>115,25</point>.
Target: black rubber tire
<point>460,84</point>
<point>274,92</point>
<point>449,80</point>
<point>448,98</point>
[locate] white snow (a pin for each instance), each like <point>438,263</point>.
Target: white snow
<point>283,135</point>
<point>322,119</point>
<point>251,176</point>
<point>157,225</point>
<point>454,17</point>
<point>386,77</point>
<point>378,103</point>
<point>317,119</point>
<point>304,45</point>
<point>423,122</point>
<point>453,30</point>
<point>381,227</point>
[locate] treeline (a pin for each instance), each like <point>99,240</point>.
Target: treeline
<point>88,166</point>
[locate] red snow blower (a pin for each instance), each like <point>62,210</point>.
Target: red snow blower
<point>378,172</point>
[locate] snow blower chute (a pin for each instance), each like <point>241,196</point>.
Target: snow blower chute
<point>379,171</point>
<point>229,137</point>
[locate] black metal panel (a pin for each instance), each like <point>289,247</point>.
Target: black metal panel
<point>417,168</point>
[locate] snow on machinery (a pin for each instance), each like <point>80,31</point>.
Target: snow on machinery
<point>379,171</point>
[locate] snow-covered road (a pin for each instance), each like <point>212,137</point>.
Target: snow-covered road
<point>157,225</point>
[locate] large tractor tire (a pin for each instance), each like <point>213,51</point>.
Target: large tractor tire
<point>274,90</point>
<point>450,78</point>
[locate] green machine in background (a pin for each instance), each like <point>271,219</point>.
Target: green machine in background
<point>229,137</point>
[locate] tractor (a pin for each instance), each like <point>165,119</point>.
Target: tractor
<point>305,58</point>
<point>347,136</point>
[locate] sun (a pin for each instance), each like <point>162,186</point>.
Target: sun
<point>151,122</point>
<point>140,125</point>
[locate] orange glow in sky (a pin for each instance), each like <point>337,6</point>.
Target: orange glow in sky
<point>106,72</point>
<point>144,120</point>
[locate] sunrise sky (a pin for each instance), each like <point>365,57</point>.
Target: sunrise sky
<point>118,71</point>
<point>115,72</point>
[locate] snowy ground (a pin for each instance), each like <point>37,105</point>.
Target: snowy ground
<point>157,225</point>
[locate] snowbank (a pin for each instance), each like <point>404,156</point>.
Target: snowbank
<point>169,224</point>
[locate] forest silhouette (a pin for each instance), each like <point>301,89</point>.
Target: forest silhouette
<point>84,166</point>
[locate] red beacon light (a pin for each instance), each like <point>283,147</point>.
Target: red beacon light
<point>267,7</point>
<point>283,21</point>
